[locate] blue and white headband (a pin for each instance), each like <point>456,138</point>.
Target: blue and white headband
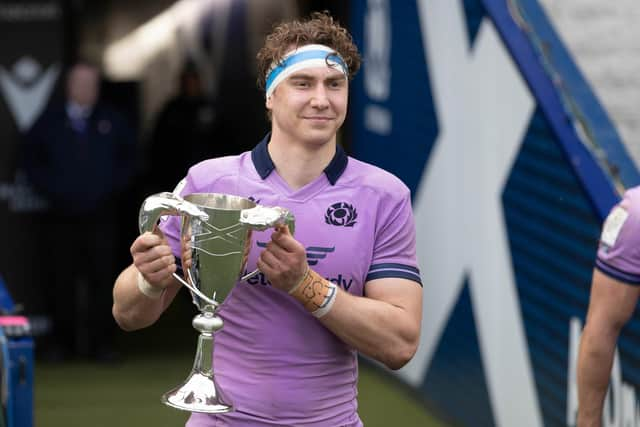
<point>311,55</point>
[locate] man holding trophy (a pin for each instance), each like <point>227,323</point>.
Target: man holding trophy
<point>329,273</point>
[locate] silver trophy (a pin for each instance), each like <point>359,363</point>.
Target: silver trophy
<point>216,233</point>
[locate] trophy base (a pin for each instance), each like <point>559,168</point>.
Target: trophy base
<point>199,393</point>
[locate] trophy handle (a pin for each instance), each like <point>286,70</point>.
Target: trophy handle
<point>260,218</point>
<point>167,203</point>
<point>195,290</point>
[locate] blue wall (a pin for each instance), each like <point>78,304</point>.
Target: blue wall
<point>553,198</point>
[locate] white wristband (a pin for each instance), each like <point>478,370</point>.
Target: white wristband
<point>328,301</point>
<point>152,292</point>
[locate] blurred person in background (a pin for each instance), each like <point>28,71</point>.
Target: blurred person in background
<point>288,352</point>
<point>189,120</point>
<point>80,155</point>
<point>218,113</point>
<point>614,294</point>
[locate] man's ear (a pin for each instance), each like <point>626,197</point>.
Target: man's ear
<point>268,103</point>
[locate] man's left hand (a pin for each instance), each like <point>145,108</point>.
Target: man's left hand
<point>284,260</point>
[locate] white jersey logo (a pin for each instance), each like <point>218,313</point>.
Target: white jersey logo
<point>613,225</point>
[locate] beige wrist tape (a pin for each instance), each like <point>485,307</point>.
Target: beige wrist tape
<point>315,293</point>
<point>297,286</point>
<point>152,292</point>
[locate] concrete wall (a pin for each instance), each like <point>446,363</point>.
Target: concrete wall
<point>604,38</point>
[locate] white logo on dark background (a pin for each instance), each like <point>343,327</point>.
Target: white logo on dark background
<point>26,89</point>
<point>458,205</point>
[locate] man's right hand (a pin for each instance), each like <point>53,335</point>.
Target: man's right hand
<point>153,258</point>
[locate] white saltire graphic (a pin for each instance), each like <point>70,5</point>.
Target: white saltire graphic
<point>483,108</point>
<point>26,90</point>
<point>232,235</point>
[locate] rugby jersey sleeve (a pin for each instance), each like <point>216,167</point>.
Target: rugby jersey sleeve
<point>619,248</point>
<point>394,249</point>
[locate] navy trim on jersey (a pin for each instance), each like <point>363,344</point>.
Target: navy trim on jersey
<point>632,279</point>
<point>393,265</point>
<point>338,164</point>
<point>261,158</point>
<point>264,164</point>
<point>383,274</point>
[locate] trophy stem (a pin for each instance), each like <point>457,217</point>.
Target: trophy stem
<point>203,361</point>
<point>200,393</point>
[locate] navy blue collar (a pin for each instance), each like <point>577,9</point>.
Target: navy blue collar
<point>264,165</point>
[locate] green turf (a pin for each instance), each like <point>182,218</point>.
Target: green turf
<point>84,394</point>
<point>128,394</point>
<point>159,358</point>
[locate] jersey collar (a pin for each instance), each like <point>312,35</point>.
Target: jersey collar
<point>264,164</point>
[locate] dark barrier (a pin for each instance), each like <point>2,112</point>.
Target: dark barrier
<point>31,57</point>
<point>16,365</point>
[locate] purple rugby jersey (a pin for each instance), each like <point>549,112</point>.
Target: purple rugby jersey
<point>619,250</point>
<point>279,364</point>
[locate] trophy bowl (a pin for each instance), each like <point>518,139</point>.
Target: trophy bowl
<point>216,234</point>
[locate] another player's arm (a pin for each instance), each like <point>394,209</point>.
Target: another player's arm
<point>611,305</point>
<point>146,288</point>
<point>384,325</point>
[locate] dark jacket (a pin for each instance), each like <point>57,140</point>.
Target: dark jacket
<point>78,172</point>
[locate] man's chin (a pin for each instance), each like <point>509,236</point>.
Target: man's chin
<point>320,133</point>
<point>319,138</point>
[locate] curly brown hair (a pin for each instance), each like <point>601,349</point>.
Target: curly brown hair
<point>319,28</point>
